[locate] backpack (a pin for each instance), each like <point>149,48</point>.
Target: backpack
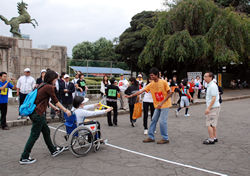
<point>29,105</point>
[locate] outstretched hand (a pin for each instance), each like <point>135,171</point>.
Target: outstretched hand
<point>109,109</point>
<point>126,96</point>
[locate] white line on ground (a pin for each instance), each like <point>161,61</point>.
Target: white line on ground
<point>160,159</point>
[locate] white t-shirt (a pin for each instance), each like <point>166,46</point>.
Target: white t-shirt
<point>26,84</point>
<point>147,96</point>
<point>82,113</point>
<point>123,86</point>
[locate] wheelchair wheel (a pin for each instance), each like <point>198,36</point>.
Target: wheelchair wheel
<point>81,141</point>
<point>60,137</point>
<point>96,142</point>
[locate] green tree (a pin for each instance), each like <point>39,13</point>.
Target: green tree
<point>240,5</point>
<point>196,35</point>
<point>131,42</point>
<point>100,50</point>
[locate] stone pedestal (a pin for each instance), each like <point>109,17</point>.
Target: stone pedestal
<point>18,54</point>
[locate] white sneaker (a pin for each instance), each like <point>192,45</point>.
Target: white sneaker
<point>176,113</point>
<point>145,132</point>
<point>187,115</point>
<point>28,118</point>
<point>19,117</point>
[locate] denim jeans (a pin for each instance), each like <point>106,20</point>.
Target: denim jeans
<point>162,115</point>
<point>81,93</point>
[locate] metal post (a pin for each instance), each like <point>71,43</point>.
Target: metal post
<point>111,68</point>
<point>87,68</point>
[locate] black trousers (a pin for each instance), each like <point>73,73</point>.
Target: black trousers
<point>52,111</point>
<point>145,113</point>
<point>192,95</point>
<point>21,99</point>
<point>114,105</point>
<point>131,109</point>
<point>3,109</point>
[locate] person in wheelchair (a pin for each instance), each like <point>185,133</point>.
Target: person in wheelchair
<point>82,111</point>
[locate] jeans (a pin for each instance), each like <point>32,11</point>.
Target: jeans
<point>162,115</point>
<point>81,93</point>
<point>39,125</point>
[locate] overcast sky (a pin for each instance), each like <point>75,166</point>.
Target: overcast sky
<point>68,22</point>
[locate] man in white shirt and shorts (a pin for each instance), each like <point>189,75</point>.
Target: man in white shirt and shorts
<point>213,108</point>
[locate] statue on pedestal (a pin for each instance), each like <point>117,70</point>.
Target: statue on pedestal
<point>24,17</point>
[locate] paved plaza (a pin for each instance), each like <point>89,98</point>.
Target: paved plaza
<point>126,154</point>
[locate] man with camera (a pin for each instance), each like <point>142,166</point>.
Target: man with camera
<point>4,85</point>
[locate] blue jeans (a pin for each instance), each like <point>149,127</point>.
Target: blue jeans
<point>162,115</point>
<point>81,93</point>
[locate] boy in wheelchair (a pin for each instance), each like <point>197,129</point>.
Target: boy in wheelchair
<point>81,112</point>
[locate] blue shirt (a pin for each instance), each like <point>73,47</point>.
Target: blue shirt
<point>212,90</point>
<point>4,93</point>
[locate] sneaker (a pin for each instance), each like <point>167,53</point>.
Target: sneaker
<point>59,150</point>
<point>19,117</point>
<point>208,142</point>
<point>176,113</point>
<point>27,161</point>
<point>28,118</point>
<point>216,140</point>
<point>187,115</point>
<point>145,131</point>
<point>132,124</point>
<point>162,141</point>
<point>148,140</point>
<point>6,128</point>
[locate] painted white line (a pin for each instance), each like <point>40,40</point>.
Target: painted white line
<point>160,159</point>
<point>167,161</point>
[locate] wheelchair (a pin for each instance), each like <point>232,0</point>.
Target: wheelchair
<point>78,139</point>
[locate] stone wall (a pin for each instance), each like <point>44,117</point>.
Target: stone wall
<point>18,54</point>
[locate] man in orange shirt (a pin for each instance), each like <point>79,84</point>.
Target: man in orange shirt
<point>161,93</point>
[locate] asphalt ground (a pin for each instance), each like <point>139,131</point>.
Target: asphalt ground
<point>126,154</point>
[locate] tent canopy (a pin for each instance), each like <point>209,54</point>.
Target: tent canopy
<point>99,70</point>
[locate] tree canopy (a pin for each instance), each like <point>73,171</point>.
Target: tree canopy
<point>100,50</point>
<point>131,42</point>
<point>240,5</point>
<point>195,35</point>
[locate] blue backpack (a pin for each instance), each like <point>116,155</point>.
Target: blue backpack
<point>29,105</point>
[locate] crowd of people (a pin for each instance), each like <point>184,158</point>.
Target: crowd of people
<point>62,95</point>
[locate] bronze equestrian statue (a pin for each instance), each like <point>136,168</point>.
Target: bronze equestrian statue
<point>24,17</point>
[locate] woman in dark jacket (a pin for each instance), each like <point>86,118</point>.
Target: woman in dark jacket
<point>38,118</point>
<point>131,101</point>
<point>41,79</point>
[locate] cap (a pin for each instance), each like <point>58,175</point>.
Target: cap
<point>121,74</point>
<point>26,70</point>
<point>66,76</point>
<point>85,100</point>
<point>139,75</point>
<point>43,70</point>
<point>115,81</point>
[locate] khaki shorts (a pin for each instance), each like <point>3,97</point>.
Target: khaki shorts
<point>212,117</point>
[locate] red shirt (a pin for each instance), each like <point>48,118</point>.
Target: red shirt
<point>191,87</point>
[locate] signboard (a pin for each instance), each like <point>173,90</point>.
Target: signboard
<point>191,75</point>
<point>219,80</point>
